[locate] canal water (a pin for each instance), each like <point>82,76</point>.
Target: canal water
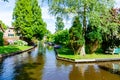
<point>42,65</point>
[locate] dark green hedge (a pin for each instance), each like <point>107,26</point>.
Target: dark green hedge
<point>1,38</point>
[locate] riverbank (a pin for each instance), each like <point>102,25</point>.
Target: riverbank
<point>68,56</point>
<point>6,51</point>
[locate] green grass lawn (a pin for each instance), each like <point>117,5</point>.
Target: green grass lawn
<point>11,48</point>
<point>67,53</point>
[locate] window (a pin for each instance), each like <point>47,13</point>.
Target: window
<point>10,34</point>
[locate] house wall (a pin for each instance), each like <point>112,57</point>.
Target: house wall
<point>10,35</point>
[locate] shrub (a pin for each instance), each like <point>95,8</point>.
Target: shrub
<point>1,39</point>
<point>93,38</point>
<point>20,43</point>
<point>62,37</point>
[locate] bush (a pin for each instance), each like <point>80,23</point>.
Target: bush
<point>20,43</point>
<point>1,39</point>
<point>93,38</point>
<point>62,37</point>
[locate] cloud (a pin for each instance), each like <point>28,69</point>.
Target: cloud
<point>6,9</point>
<point>49,19</point>
<point>6,17</point>
<point>45,13</point>
<point>117,4</point>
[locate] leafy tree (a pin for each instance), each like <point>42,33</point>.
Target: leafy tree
<point>85,9</point>
<point>3,25</point>
<point>1,39</point>
<point>93,38</point>
<point>59,24</point>
<point>39,26</point>
<point>94,11</point>
<point>110,31</point>
<point>62,37</point>
<point>22,16</point>
<point>76,36</point>
<point>27,19</point>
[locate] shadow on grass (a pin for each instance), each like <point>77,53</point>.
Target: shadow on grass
<point>66,51</point>
<point>8,49</point>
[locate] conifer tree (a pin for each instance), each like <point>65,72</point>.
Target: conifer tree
<point>76,36</point>
<point>27,19</point>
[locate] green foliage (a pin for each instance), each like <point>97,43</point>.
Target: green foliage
<point>97,12</point>
<point>59,24</point>
<point>62,37</point>
<point>50,38</point>
<point>87,10</point>
<point>20,43</point>
<point>76,35</point>
<point>3,25</point>
<point>93,34</point>
<point>65,51</point>
<point>93,38</point>
<point>110,31</point>
<point>27,19</point>
<point>1,39</point>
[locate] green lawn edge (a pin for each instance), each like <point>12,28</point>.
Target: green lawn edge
<point>11,49</point>
<point>67,53</point>
<point>92,56</point>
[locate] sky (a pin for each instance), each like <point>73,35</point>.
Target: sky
<point>6,10</point>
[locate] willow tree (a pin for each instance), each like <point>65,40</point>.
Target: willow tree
<point>28,19</point>
<point>93,11</point>
<point>59,24</point>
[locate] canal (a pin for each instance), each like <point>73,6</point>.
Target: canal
<point>42,65</point>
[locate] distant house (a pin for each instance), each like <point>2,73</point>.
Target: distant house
<point>10,35</point>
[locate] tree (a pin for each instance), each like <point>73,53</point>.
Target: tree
<point>3,25</point>
<point>27,19</point>
<point>93,11</point>
<point>93,38</point>
<point>59,24</point>
<point>39,26</point>
<point>62,37</point>
<point>1,39</point>
<point>22,16</point>
<point>110,32</point>
<point>76,36</point>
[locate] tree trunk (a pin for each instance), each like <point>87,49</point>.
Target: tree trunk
<point>78,51</point>
<point>82,52</point>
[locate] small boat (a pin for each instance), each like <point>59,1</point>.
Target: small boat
<point>57,46</point>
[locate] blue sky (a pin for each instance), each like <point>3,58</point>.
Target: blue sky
<point>6,10</point>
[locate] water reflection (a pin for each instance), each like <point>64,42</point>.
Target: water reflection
<point>7,69</point>
<point>41,64</point>
<point>116,66</point>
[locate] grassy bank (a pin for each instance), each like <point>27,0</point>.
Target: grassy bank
<point>67,53</point>
<point>10,49</point>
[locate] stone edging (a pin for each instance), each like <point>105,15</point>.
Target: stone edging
<point>85,60</point>
<point>14,53</point>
